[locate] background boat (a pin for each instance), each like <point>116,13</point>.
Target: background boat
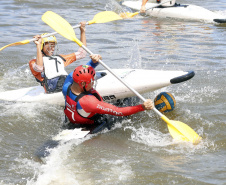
<point>178,11</point>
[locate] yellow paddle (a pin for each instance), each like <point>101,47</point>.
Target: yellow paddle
<point>102,17</point>
<point>129,15</point>
<point>177,129</point>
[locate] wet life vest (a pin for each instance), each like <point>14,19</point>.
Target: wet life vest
<point>78,115</point>
<point>54,73</point>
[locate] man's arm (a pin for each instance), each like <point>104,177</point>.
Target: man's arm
<point>142,9</point>
<point>38,42</point>
<point>83,32</point>
<point>91,104</point>
<point>94,60</point>
<point>68,81</point>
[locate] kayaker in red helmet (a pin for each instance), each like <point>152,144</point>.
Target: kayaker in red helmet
<point>84,105</point>
<point>143,9</point>
<point>48,68</point>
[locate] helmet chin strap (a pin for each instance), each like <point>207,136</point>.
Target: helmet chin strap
<point>84,88</point>
<point>43,53</point>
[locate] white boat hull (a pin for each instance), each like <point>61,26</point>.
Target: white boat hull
<point>108,86</point>
<point>186,12</point>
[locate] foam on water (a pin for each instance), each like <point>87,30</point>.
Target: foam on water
<point>149,136</point>
<point>114,6</point>
<point>165,142</point>
<point>56,169</point>
<point>16,77</point>
<point>117,169</point>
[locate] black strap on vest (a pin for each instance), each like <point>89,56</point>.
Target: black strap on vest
<point>79,96</point>
<point>56,61</point>
<point>41,82</point>
<point>82,94</point>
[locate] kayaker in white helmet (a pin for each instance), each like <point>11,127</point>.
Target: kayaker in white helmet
<point>49,68</point>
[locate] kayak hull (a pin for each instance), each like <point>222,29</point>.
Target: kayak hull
<point>186,12</point>
<point>69,134</point>
<point>108,86</point>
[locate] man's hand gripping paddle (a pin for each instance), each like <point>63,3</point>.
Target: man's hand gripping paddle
<point>102,17</point>
<point>178,130</point>
<point>129,15</point>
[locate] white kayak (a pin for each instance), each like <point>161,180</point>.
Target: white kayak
<point>108,86</point>
<point>64,136</point>
<point>178,11</point>
<point>79,134</point>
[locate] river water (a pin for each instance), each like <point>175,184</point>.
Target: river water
<point>138,150</point>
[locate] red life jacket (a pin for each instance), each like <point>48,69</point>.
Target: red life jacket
<point>71,112</point>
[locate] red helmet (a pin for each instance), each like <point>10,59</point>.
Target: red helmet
<point>83,73</point>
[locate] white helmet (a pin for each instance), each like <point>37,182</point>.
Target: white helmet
<point>51,38</point>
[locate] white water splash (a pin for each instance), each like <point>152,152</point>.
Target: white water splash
<point>149,136</point>
<point>17,78</point>
<point>158,141</point>
<point>56,169</point>
<point>114,6</point>
<point>118,169</point>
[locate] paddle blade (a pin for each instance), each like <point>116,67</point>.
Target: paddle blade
<point>106,16</point>
<point>128,14</point>
<point>16,44</point>
<point>186,131</point>
<point>181,131</point>
<point>176,134</point>
<point>61,26</point>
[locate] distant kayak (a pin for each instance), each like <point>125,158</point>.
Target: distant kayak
<point>178,11</point>
<point>108,86</point>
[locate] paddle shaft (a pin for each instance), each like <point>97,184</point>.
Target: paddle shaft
<point>54,33</point>
<point>122,81</point>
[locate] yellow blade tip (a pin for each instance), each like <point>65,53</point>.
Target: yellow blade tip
<point>2,48</point>
<point>128,15</point>
<point>197,140</point>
